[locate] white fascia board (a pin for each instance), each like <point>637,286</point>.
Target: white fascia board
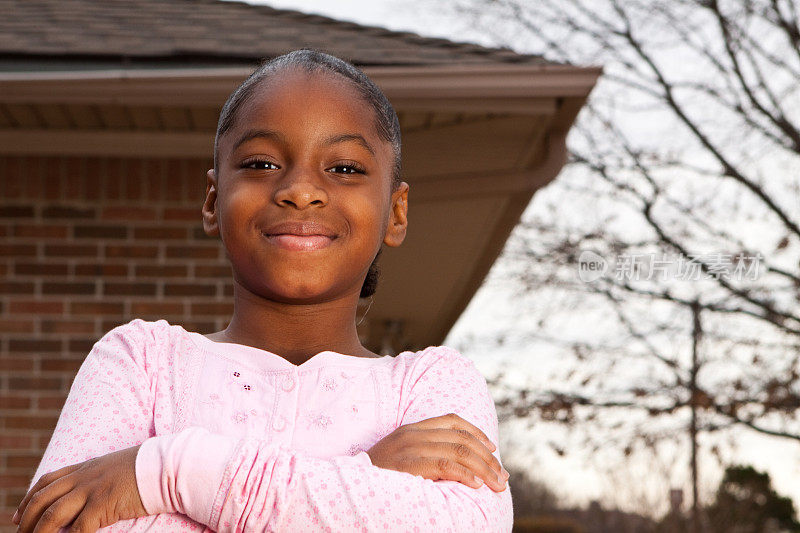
<point>211,86</point>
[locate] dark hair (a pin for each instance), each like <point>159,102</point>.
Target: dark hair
<point>313,61</point>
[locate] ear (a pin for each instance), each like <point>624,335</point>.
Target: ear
<point>210,221</point>
<point>398,217</point>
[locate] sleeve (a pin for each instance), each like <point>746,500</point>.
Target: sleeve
<point>247,484</point>
<point>109,405</point>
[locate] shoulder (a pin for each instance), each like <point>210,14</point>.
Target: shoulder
<point>437,357</point>
<point>440,380</point>
<point>140,331</point>
<point>141,340</point>
<point>438,364</point>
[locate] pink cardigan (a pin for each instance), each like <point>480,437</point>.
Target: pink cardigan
<point>235,438</point>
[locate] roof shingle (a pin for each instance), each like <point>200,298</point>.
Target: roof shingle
<point>216,31</point>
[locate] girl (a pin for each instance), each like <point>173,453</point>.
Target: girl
<point>283,421</point>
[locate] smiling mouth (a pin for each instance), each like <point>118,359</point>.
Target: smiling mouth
<point>299,243</point>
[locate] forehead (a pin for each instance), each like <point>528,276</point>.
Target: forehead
<point>310,99</point>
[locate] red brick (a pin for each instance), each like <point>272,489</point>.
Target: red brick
<point>129,213</point>
<point>67,326</point>
<point>108,325</point>
<point>183,213</point>
<point>162,271</point>
<point>129,289</point>
<point>68,288</point>
<point>156,308</point>
<point>70,250</point>
<point>93,178</point>
<point>160,233</point>
<point>16,287</point>
<point>81,346</point>
<point>173,180</point>
<point>102,270</point>
<point>34,345</point>
<point>15,441</point>
<point>131,251</point>
<point>32,384</point>
<point>58,232</point>
<point>113,179</point>
<point>32,421</point>
<point>14,481</point>
<point>62,365</point>
<point>192,252</point>
<point>75,166</point>
<point>34,181</point>
<point>15,175</point>
<point>212,271</point>
<point>46,401</point>
<point>133,179</point>
<point>71,212</point>
<point>53,186</point>
<point>40,269</point>
<point>95,308</point>
<point>16,211</point>
<point>13,499</point>
<point>72,186</point>
<point>18,250</point>
<point>16,325</point>
<point>16,364</point>
<point>23,460</point>
<point>154,179</point>
<point>100,232</point>
<point>189,289</point>
<point>37,307</point>
<point>199,234</point>
<point>15,402</point>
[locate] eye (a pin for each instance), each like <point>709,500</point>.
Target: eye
<point>260,164</point>
<point>347,168</point>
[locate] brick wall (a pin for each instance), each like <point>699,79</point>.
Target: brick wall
<point>87,244</point>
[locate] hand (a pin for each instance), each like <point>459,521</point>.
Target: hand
<point>88,495</point>
<point>444,447</point>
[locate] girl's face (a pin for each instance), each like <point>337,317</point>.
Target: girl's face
<point>303,198</point>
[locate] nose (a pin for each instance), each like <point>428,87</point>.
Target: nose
<point>300,188</point>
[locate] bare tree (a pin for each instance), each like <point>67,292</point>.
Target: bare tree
<point>683,195</point>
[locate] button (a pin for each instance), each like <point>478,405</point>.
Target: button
<point>288,384</point>
<point>279,424</point>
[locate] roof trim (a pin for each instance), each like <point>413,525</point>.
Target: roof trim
<point>208,85</point>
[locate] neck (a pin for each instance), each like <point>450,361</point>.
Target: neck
<point>295,332</point>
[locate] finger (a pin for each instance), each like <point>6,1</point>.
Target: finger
<point>463,456</point>
<point>40,503</point>
<point>43,481</point>
<point>58,514</point>
<point>461,446</point>
<point>443,469</point>
<point>453,421</point>
<point>88,520</point>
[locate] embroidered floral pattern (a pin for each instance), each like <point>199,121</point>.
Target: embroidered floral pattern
<point>214,401</point>
<point>319,420</point>
<point>329,384</point>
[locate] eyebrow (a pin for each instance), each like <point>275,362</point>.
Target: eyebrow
<point>255,134</point>
<point>347,137</point>
<point>274,135</point>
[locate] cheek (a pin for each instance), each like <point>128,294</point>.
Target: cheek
<point>236,210</point>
